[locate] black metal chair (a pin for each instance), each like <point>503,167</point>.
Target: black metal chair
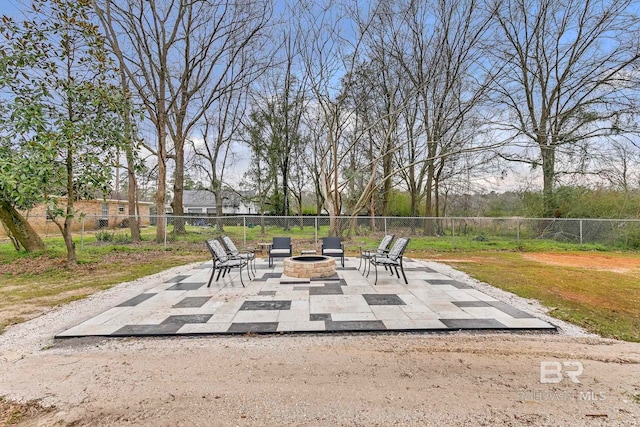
<point>333,246</point>
<point>280,248</point>
<point>367,253</point>
<point>233,251</point>
<point>393,259</point>
<point>223,262</point>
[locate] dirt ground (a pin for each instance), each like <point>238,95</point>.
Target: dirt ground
<point>353,380</point>
<point>309,380</point>
<point>594,261</point>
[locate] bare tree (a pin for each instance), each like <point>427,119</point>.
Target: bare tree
<point>221,126</point>
<point>329,55</point>
<point>437,44</point>
<point>619,167</point>
<point>177,55</point>
<point>566,79</point>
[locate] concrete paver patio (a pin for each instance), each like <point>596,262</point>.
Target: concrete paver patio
<point>275,303</point>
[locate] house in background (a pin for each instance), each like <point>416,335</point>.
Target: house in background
<point>100,213</point>
<point>204,202</point>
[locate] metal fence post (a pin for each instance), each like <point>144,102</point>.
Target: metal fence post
<point>166,225</point>
<point>244,230</point>
<point>385,225</point>
<point>316,231</point>
<point>82,235</point>
<point>580,232</point>
<point>453,233</point>
<point>518,232</point>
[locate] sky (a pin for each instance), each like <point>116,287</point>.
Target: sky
<point>234,174</point>
<point>11,8</point>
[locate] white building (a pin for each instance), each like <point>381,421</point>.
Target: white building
<point>204,202</point>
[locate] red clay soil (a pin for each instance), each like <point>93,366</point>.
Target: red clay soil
<point>595,261</point>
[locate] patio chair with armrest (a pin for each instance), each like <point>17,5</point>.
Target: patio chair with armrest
<point>233,251</point>
<point>280,248</point>
<point>393,259</point>
<point>367,253</point>
<point>333,246</point>
<point>224,262</point>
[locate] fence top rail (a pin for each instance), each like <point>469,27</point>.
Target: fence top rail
<point>421,218</point>
<point>346,217</point>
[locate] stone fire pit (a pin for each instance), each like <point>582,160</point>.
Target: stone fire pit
<point>309,266</point>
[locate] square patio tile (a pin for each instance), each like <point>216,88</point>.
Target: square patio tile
<point>338,304</point>
<point>192,302</point>
<point>266,305</point>
<point>300,326</point>
<point>84,330</point>
<point>187,286</point>
<point>134,330</point>
<point>256,316</point>
<point>356,317</point>
<point>293,316</point>
<point>177,279</point>
<point>204,328</point>
<point>473,324</point>
<point>471,304</point>
<point>319,316</point>
<point>366,325</point>
<point>414,324</point>
<point>325,290</point>
<point>387,312</point>
<point>450,282</point>
<point>258,327</point>
<point>136,300</point>
<point>181,319</point>
<point>510,310</point>
<point>383,299</point>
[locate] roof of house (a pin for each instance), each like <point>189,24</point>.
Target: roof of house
<point>205,198</point>
<point>196,198</point>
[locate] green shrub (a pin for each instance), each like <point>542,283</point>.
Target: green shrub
<point>105,236</point>
<point>112,237</point>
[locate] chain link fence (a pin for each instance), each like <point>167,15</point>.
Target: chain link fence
<point>307,231</point>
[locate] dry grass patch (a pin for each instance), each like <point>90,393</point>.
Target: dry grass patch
<point>20,413</point>
<point>30,287</point>
<point>576,287</point>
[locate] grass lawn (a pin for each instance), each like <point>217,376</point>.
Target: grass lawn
<point>32,284</point>
<point>596,289</point>
<point>602,294</point>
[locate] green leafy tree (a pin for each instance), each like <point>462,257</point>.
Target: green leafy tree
<point>23,166</point>
<point>73,132</point>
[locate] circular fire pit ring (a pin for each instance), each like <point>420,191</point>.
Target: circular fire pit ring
<point>309,266</point>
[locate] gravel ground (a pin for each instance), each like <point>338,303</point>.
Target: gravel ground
<point>327,379</point>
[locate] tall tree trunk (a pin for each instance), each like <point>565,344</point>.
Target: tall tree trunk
<point>428,200</point>
<point>162,174</point>
<point>14,241</point>
<point>134,225</point>
<point>178,188</point>
<point>387,157</point>
<point>414,200</point>
<point>68,236</point>
<point>20,228</point>
<point>285,196</point>
<point>548,179</point>
<point>65,227</point>
<point>217,192</point>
